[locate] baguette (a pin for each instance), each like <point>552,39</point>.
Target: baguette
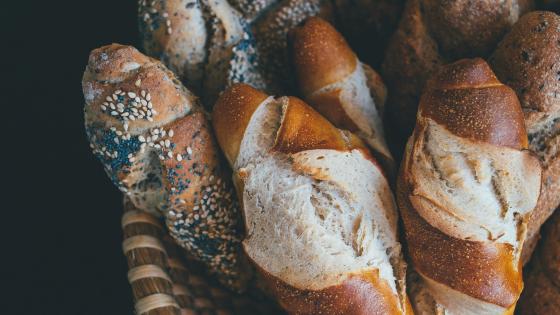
<point>466,190</point>
<point>156,145</point>
<point>320,217</point>
<point>527,61</point>
<point>347,92</point>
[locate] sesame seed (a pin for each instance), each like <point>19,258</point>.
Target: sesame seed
<point>170,133</point>
<point>112,106</point>
<point>115,97</point>
<point>150,119</point>
<point>189,150</point>
<point>170,154</point>
<point>138,82</point>
<point>103,107</point>
<point>167,143</point>
<point>109,99</point>
<point>118,92</point>
<point>148,97</point>
<point>179,157</point>
<point>131,94</point>
<point>143,93</point>
<point>114,113</point>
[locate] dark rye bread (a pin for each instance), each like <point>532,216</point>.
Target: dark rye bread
<point>432,33</point>
<point>527,61</point>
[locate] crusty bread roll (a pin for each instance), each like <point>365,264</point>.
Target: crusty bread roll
<point>347,92</point>
<point>156,145</point>
<point>432,33</point>
<point>320,217</point>
<point>207,43</point>
<point>466,190</point>
<point>542,279</point>
<point>527,61</point>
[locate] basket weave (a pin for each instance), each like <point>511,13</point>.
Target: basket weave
<point>165,282</point>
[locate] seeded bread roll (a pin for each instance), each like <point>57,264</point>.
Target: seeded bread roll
<point>432,33</point>
<point>320,217</point>
<point>155,144</point>
<point>542,281</point>
<point>207,43</point>
<point>347,92</point>
<point>527,61</point>
<point>466,190</point>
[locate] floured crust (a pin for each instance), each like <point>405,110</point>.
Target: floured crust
<point>319,214</point>
<point>232,112</point>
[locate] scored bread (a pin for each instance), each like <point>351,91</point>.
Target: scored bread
<point>466,190</point>
<point>347,92</point>
<point>321,224</point>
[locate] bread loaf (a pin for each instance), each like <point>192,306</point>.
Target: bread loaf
<point>542,279</point>
<point>466,190</point>
<point>527,61</point>
<point>432,33</point>
<point>208,44</point>
<point>156,145</point>
<point>320,217</point>
<point>347,92</point>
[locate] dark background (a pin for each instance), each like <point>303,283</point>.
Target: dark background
<point>61,232</point>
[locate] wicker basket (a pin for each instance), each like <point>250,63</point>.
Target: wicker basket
<point>165,282</point>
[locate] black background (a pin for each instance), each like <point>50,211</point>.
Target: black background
<point>61,232</point>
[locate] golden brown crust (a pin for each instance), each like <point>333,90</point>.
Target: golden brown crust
<point>320,55</point>
<point>302,128</point>
<point>329,104</point>
<point>527,60</point>
<point>485,271</point>
<point>470,102</point>
<point>232,114</point>
<point>467,99</point>
<point>364,293</point>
